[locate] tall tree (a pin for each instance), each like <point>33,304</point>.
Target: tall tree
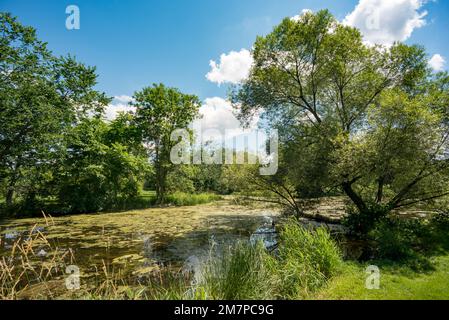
<point>330,95</point>
<point>40,97</point>
<point>159,111</point>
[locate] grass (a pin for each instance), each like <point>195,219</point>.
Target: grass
<point>186,199</point>
<point>24,274</point>
<point>147,199</point>
<point>397,282</point>
<point>180,198</point>
<point>23,268</point>
<point>304,262</point>
<point>413,259</point>
<point>242,272</point>
<point>236,277</point>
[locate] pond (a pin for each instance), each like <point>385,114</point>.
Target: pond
<point>142,240</point>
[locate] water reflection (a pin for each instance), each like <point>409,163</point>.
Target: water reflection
<point>266,233</point>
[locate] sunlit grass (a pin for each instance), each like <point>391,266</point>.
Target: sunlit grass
<point>147,199</point>
<point>397,282</point>
<point>24,266</point>
<point>186,199</point>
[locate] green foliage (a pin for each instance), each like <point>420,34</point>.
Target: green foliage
<point>181,179</point>
<point>306,260</point>
<point>362,222</point>
<point>42,97</point>
<point>239,273</point>
<point>405,239</point>
<point>161,111</point>
<point>439,228</point>
<point>91,173</point>
<point>440,221</point>
<point>186,199</point>
<point>209,178</point>
<point>303,263</point>
<point>96,175</point>
<point>367,121</point>
<point>239,178</point>
<point>397,239</point>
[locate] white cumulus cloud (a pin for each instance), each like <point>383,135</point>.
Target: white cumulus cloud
<point>303,12</point>
<point>217,115</point>
<point>119,104</point>
<point>124,99</point>
<point>437,62</point>
<point>386,21</point>
<point>232,68</point>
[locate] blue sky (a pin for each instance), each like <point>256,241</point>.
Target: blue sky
<point>135,43</point>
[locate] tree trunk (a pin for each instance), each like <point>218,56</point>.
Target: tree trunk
<point>380,190</point>
<point>161,177</point>
<point>10,197</point>
<point>160,194</point>
<point>356,199</point>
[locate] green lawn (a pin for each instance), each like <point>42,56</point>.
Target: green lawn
<point>396,283</point>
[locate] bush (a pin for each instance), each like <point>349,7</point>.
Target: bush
<point>241,272</point>
<point>306,259</point>
<point>398,239</point>
<point>361,223</point>
<point>439,225</point>
<point>440,221</point>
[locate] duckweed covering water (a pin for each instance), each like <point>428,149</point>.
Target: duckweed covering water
<point>141,241</point>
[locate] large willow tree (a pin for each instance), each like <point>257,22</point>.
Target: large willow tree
<point>369,121</point>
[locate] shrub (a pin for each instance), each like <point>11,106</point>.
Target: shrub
<point>362,222</point>
<point>240,272</point>
<point>439,225</point>
<point>440,221</point>
<point>398,239</point>
<point>306,259</point>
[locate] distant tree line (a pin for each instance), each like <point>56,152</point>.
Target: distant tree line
<point>56,151</point>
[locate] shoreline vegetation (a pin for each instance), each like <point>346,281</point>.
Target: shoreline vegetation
<point>308,263</point>
<point>146,200</point>
<point>241,271</point>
